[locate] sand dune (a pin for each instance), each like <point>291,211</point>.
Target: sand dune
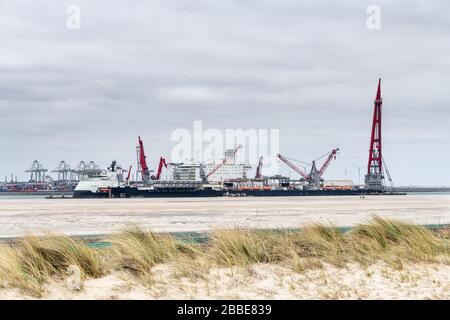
<point>261,281</point>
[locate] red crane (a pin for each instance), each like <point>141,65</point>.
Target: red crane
<point>314,177</point>
<point>162,162</point>
<point>374,177</point>
<point>259,168</point>
<point>331,156</point>
<point>222,162</point>
<point>129,174</point>
<point>293,166</point>
<point>142,161</point>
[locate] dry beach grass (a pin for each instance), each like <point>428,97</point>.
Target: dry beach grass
<point>285,263</point>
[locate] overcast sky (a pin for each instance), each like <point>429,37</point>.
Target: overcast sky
<point>149,67</point>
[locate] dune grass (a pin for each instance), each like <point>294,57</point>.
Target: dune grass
<point>242,247</point>
<point>35,260</point>
<point>10,270</point>
<point>318,244</point>
<point>53,254</point>
<point>138,250</point>
<point>397,240</point>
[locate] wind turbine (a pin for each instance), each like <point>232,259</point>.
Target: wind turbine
<point>359,173</point>
<point>345,171</point>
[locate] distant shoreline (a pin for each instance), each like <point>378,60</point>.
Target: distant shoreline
<point>38,193</point>
<point>422,189</point>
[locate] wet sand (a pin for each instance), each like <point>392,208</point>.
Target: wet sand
<point>102,216</point>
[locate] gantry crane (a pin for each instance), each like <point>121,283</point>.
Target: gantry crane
<point>314,178</point>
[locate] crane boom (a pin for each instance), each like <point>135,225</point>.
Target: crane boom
<point>142,160</point>
<point>129,174</point>
<point>327,162</point>
<point>216,168</point>
<point>162,162</point>
<point>259,168</point>
<point>222,162</point>
<point>293,166</point>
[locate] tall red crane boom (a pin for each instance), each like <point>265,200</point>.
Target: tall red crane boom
<point>374,165</point>
<point>162,162</point>
<point>374,179</point>
<point>129,174</point>
<point>293,166</point>
<point>142,160</point>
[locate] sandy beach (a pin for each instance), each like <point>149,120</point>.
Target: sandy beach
<point>103,216</point>
<point>380,259</point>
<point>262,281</point>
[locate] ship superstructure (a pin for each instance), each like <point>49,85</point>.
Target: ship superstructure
<point>227,169</point>
<point>101,183</point>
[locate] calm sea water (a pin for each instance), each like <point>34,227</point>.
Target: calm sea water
<point>429,193</point>
<point>20,197</point>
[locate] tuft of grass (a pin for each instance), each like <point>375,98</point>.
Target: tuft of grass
<point>241,247</point>
<point>392,241</point>
<point>191,267</point>
<point>138,250</point>
<point>301,264</point>
<point>395,240</point>
<point>13,274</point>
<point>10,270</point>
<point>36,259</point>
<point>318,242</point>
<point>388,232</point>
<point>52,254</point>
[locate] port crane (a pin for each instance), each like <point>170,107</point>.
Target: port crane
<point>374,178</point>
<point>258,174</point>
<point>314,177</point>
<point>222,162</point>
<point>145,174</point>
<point>162,162</point>
<point>129,174</point>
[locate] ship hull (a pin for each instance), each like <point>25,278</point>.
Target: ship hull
<point>128,192</point>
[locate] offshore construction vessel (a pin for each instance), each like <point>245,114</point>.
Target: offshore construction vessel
<point>230,179</point>
<point>112,184</point>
